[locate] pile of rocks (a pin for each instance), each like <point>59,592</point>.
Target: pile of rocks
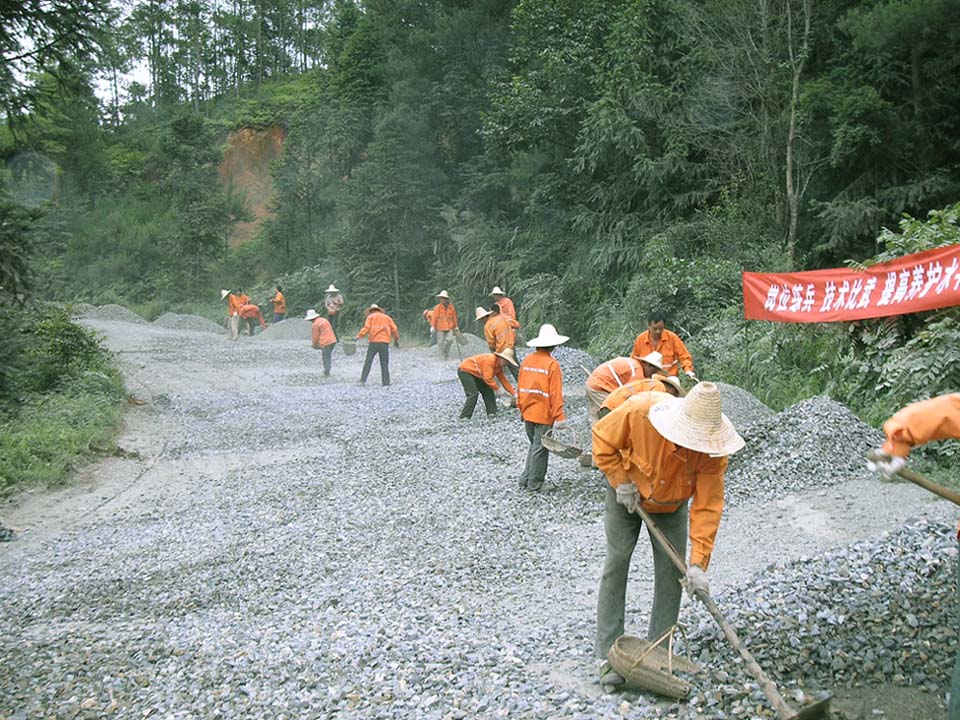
<point>194,323</point>
<point>295,328</point>
<point>815,443</point>
<point>110,312</point>
<point>879,612</point>
<point>741,406</point>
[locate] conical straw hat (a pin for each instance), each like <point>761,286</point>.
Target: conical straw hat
<point>508,355</point>
<point>696,422</point>
<point>482,312</point>
<point>654,358</point>
<point>673,381</point>
<point>548,337</point>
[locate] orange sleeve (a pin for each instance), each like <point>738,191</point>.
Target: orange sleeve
<point>683,355</point>
<point>490,336</point>
<point>611,433</point>
<point>637,348</point>
<point>501,376</point>
<point>923,422</point>
<point>556,394</point>
<point>706,508</point>
<point>456,322</point>
<point>315,335</point>
<point>365,329</point>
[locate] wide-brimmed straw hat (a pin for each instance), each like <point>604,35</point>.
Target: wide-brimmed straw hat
<point>374,307</point>
<point>548,337</point>
<point>224,293</point>
<point>482,312</point>
<point>673,381</point>
<point>508,355</point>
<point>497,291</point>
<point>332,288</point>
<point>442,294</point>
<point>696,422</point>
<point>654,358</point>
<point>311,314</point>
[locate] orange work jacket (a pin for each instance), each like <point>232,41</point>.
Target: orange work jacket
<point>540,389</point>
<point>619,396</point>
<point>499,334</point>
<point>252,311</point>
<point>380,327</point>
<point>670,346</point>
<point>444,317</point>
<point>279,303</point>
<point>627,448</point>
<point>506,308</point>
<point>614,373</point>
<point>485,367</point>
<point>428,316</point>
<point>244,299</point>
<point>233,305</point>
<point>322,333</point>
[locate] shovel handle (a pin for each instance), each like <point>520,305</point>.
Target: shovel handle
<point>918,479</point>
<point>766,684</point>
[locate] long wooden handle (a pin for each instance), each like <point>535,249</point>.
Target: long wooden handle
<point>765,683</point>
<point>918,479</point>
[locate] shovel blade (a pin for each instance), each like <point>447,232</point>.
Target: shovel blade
<point>817,711</point>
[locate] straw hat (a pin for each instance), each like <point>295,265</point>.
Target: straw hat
<point>655,359</point>
<point>311,314</point>
<point>332,289</point>
<point>224,293</point>
<point>442,294</point>
<point>696,422</point>
<point>482,312</point>
<point>374,307</point>
<point>548,337</point>
<point>496,291</point>
<point>508,355</point>
<point>673,381</point>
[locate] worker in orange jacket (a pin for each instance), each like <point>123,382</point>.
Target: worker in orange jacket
<point>658,452</point>
<point>504,303</point>
<point>380,328</point>
<point>498,331</point>
<point>479,375</point>
<point>233,313</point>
<point>251,313</point>
<point>322,338</point>
<point>658,383</point>
<point>428,316</point>
<point>915,425</point>
<point>540,399</point>
<point>657,338</point>
<point>279,305</point>
<point>445,323</point>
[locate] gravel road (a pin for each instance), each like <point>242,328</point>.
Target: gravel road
<point>292,546</point>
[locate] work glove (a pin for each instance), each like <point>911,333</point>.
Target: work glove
<point>696,581</point>
<point>889,466</point>
<point>628,496</point>
<point>691,375</point>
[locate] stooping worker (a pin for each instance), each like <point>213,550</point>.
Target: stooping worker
<point>250,313</point>
<point>606,378</point>
<point>497,331</point>
<point>658,383</point>
<point>323,338</point>
<point>658,452</point>
<point>540,399</point>
<point>243,297</point>
<point>428,316</point>
<point>657,338</point>
<point>333,302</point>
<point>917,424</point>
<point>233,313</point>
<point>380,328</point>
<point>479,375</point>
<point>445,323</point>
<point>652,364</point>
<point>279,305</point>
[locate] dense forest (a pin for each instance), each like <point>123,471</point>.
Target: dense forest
<point>597,159</point>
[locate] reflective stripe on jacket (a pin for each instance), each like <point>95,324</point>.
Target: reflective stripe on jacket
<point>485,366</point>
<point>444,317</point>
<point>627,448</point>
<point>619,396</point>
<point>540,389</point>
<point>614,373</point>
<point>499,334</point>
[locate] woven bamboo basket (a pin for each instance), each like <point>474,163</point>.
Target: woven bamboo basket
<point>349,347</point>
<point>648,667</point>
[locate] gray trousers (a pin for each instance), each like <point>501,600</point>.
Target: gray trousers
<point>622,530</point>
<point>535,471</point>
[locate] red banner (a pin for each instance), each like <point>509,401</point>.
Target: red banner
<point>924,281</point>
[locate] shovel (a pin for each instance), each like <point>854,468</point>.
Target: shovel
<point>918,479</point>
<point>816,711</point>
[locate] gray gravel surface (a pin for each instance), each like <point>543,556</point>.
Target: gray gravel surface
<point>293,546</point>
<point>177,321</point>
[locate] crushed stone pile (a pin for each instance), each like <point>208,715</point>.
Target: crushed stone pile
<point>879,612</point>
<point>288,329</point>
<point>815,443</point>
<point>188,322</point>
<point>112,313</point>
<point>471,345</point>
<point>572,363</point>
<point>741,406</point>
